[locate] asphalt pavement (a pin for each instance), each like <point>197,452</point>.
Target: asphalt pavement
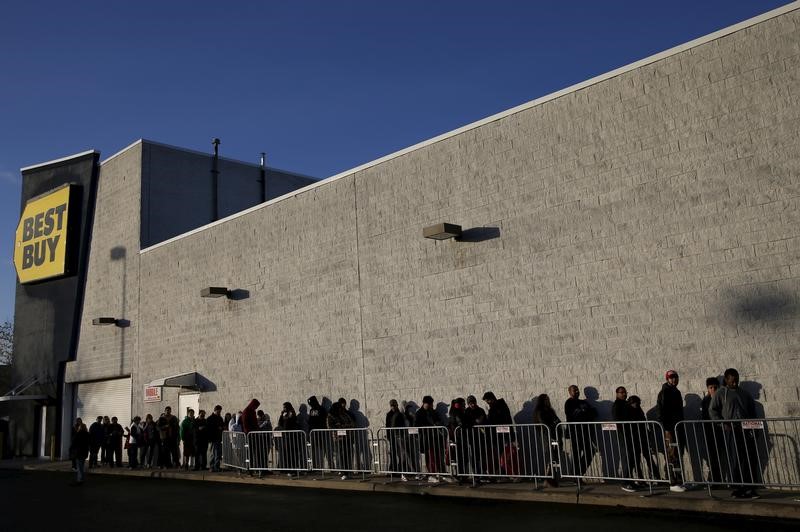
<point>45,500</point>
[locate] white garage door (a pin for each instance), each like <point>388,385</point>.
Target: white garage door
<point>104,398</point>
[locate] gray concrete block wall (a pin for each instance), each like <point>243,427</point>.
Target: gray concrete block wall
<point>112,280</point>
<point>294,330</point>
<point>646,222</point>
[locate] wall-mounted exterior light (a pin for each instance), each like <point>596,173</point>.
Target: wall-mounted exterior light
<point>215,291</point>
<point>110,321</point>
<point>442,231</point>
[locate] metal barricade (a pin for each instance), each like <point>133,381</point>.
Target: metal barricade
<point>631,451</point>
<point>235,451</point>
<point>414,451</point>
<point>341,450</point>
<point>507,451</point>
<point>741,453</point>
<point>278,450</point>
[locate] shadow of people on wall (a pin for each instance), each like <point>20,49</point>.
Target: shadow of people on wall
<point>604,440</point>
<point>442,410</point>
<point>525,415</point>
<point>769,435</point>
<point>363,452</point>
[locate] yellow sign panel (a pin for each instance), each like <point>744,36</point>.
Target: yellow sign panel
<point>41,241</point>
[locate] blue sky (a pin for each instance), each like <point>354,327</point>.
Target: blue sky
<point>321,86</point>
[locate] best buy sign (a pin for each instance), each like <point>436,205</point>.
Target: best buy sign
<point>42,236</point>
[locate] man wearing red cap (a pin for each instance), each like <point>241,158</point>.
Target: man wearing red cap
<point>670,411</point>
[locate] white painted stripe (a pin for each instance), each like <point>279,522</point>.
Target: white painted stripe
<point>573,88</point>
<point>61,160</point>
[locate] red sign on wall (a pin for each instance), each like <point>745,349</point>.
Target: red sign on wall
<point>152,394</point>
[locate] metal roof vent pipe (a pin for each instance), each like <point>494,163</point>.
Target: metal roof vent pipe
<point>215,182</point>
<point>263,179</point>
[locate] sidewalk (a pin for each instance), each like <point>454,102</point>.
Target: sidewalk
<point>772,504</point>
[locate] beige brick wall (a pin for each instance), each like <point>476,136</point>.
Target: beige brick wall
<point>646,222</point>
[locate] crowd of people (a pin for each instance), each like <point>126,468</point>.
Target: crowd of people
<point>155,443</point>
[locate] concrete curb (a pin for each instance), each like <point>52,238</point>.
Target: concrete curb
<point>772,505</point>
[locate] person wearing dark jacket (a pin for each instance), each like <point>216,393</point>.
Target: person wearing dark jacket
<point>433,442</point>
<point>288,445</point>
<point>188,437</point>
<point>670,412</point>
<point>115,432</point>
<point>474,417</point>
<point>733,404</point>
<point>396,435</point>
<point>499,414</point>
<point>79,449</point>
<point>621,411</point>
<point>581,437</point>
<point>712,432</point>
<point>644,442</point>
<point>544,414</point>
<point>96,437</point>
<point>201,441</point>
<point>173,437</point>
<point>215,426</point>
<point>320,441</point>
<point>339,420</point>
<point>455,426</point>
<point>249,419</point>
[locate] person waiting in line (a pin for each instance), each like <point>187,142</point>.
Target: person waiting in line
<point>433,443</point>
<point>201,441</point>
<point>151,438</point>
<point>499,414</point>
<point>644,442</point>
<point>79,449</point>
<point>474,417</point>
<point>115,433</point>
<point>164,453</point>
<point>732,404</point>
<point>288,445</point>
<point>397,438</point>
<point>249,418</point>
<point>188,439</point>
<point>410,412</point>
<point>134,441</point>
<point>713,435</point>
<point>215,425</point>
<point>340,420</point>
<point>669,406</point>
<point>228,421</point>
<point>581,437</point>
<point>320,440</point>
<point>96,437</point>
<point>173,437</point>
<point>621,411</point>
<point>455,427</point>
<point>107,452</point>
<point>544,414</point>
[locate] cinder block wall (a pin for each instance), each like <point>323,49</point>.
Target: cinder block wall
<point>112,278</point>
<point>646,222</point>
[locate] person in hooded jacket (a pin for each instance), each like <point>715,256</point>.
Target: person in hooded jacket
<point>499,414</point>
<point>249,419</point>
<point>320,440</point>
<point>339,420</point>
<point>188,439</point>
<point>397,438</point>
<point>670,412</point>
<point>79,449</point>
<point>288,445</point>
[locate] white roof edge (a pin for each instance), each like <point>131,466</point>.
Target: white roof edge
<point>61,160</point>
<point>503,114</point>
<point>120,152</point>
